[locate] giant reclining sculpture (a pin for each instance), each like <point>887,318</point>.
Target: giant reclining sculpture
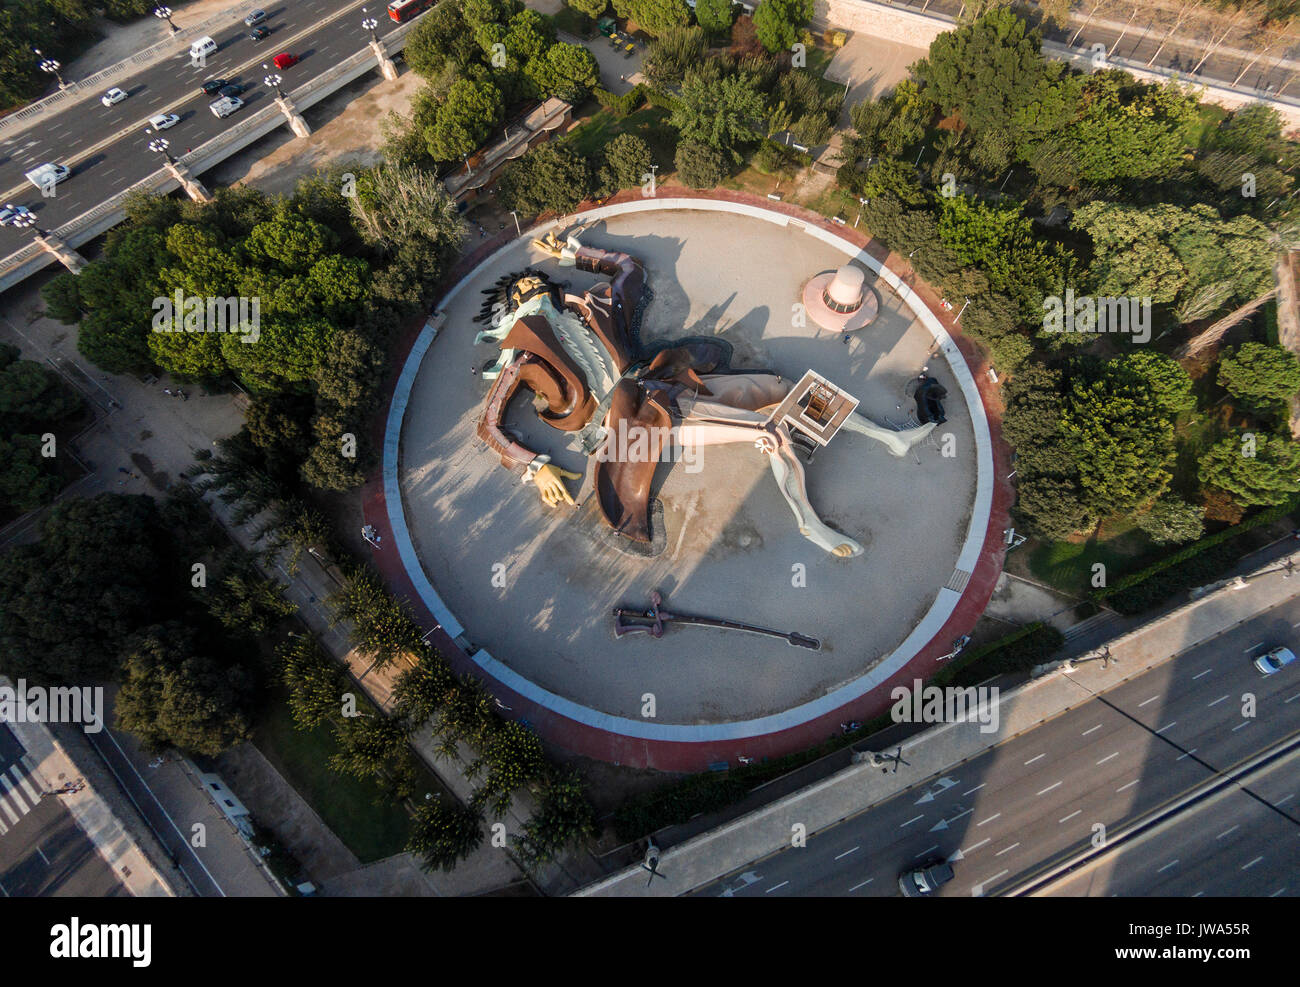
<point>580,355</point>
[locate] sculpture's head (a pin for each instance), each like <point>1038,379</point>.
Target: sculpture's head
<point>512,290</point>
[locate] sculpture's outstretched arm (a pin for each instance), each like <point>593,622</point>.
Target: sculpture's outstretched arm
<point>790,478</point>
<point>538,469</point>
<point>896,442</point>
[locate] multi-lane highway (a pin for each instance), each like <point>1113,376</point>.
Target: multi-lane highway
<point>1041,797</point>
<point>107,147</point>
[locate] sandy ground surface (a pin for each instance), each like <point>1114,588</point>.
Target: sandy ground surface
<point>872,66</point>
<point>730,543</point>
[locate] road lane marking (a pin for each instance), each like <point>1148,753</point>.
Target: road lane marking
<point>1243,723</point>
<point>1090,730</point>
<point>1108,757</point>
<point>1007,850</point>
<point>990,819</point>
<point>1049,788</point>
<point>1151,700</point>
<point>776,887</point>
<point>1253,647</point>
<point>1278,891</point>
<point>1199,674</point>
<point>910,821</point>
<point>1167,866</point>
<point>1217,701</point>
<point>983,783</point>
<point>1251,864</point>
<point>1282,801</point>
<point>1166,726</point>
<point>972,849</point>
<point>1188,754</point>
<point>1296,696</point>
<point>1129,785</point>
<point>924,852</point>
<point>846,853</point>
<point>1227,831</point>
<point>863,884</point>
<point>1033,759</point>
<point>1076,812</point>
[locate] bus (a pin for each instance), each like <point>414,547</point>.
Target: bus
<point>404,10</point>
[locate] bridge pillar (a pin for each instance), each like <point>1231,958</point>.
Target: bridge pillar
<point>56,245</point>
<point>296,122</point>
<point>193,187</point>
<point>386,64</point>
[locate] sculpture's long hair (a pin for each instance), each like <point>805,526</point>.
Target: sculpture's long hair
<point>502,296</point>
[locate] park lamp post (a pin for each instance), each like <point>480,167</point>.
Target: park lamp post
<point>370,24</point>
<point>164,13</point>
<point>24,220</point>
<point>51,66</point>
<point>273,81</point>
<point>518,231</point>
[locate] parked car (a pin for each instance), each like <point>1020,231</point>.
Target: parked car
<point>164,120</point>
<point>1272,662</point>
<point>919,882</point>
<point>113,96</point>
<point>284,60</point>
<point>256,17</point>
<point>233,89</point>
<point>258,33</point>
<point>226,105</point>
<point>212,87</point>
<point>11,212</point>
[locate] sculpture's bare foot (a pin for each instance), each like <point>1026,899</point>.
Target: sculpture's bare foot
<point>842,551</point>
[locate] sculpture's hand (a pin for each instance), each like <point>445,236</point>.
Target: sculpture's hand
<point>550,484</point>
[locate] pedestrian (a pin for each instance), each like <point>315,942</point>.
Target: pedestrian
<point>168,391</point>
<point>473,371</point>
<point>180,393</point>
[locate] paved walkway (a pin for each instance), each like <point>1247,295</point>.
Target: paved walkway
<point>735,844</point>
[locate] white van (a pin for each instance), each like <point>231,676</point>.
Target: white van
<point>202,48</point>
<point>226,106</point>
<point>47,176</point>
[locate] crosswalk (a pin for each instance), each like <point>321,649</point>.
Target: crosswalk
<point>19,793</point>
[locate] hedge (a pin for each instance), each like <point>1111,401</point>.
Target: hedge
<point>622,105</point>
<point>1019,651</point>
<point>1195,565</point>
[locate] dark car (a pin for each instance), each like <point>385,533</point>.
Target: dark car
<point>233,89</point>
<point>212,87</point>
<point>923,881</point>
<point>257,34</point>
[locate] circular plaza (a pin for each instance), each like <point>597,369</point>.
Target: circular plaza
<point>532,589</point>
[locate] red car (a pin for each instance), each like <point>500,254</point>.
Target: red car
<point>284,60</point>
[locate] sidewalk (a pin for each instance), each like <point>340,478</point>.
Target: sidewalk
<point>860,786</point>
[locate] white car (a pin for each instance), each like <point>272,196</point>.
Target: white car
<point>1274,661</point>
<point>114,96</point>
<point>10,212</point>
<point>226,106</point>
<point>164,120</point>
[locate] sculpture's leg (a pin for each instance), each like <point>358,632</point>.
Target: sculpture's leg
<point>790,478</point>
<point>898,443</point>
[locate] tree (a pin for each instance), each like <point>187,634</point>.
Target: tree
<point>1256,469</point>
<point>777,22</point>
<point>315,681</point>
<point>1262,377</point>
<point>32,397</point>
<point>592,8</point>
<point>1170,386</point>
<point>627,162</point>
<point>565,70</point>
<point>989,71</point>
<point>383,628</point>
<point>714,15</point>
<point>421,691</point>
<point>464,120</point>
<point>28,480</point>
<point>673,54</point>
<point>721,115</point>
<point>554,177</point>
<point>563,815</point>
<point>173,695</point>
<point>443,835</point>
<point>1172,521</point>
<point>370,744</point>
<point>655,16</point>
<point>511,758</point>
<point>69,602</point>
<point>439,38</point>
<point>699,165</point>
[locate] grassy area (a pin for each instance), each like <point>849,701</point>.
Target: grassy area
<point>650,123</point>
<point>1208,118</point>
<point>371,827</point>
<point>1067,565</point>
<point>574,22</point>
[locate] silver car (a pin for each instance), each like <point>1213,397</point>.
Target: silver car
<point>1272,662</point>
